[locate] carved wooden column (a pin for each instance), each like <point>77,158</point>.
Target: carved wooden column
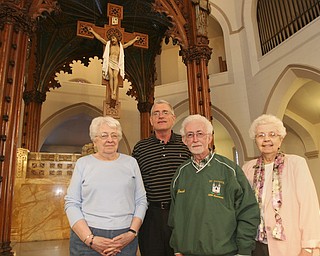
<point>145,126</point>
<point>33,100</point>
<point>15,26</point>
<point>196,58</point>
<point>189,29</point>
<point>143,77</point>
<point>31,119</point>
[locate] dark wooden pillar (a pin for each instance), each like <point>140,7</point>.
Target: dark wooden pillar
<point>31,119</point>
<point>196,57</point>
<point>196,60</point>
<point>33,100</point>
<point>189,29</point>
<point>17,21</point>
<point>145,126</point>
<point>13,45</point>
<point>142,74</point>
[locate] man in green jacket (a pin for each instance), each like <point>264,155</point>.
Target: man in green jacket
<point>213,209</point>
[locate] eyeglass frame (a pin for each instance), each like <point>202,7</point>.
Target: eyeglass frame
<point>104,136</point>
<point>157,113</point>
<point>263,135</point>
<point>199,135</point>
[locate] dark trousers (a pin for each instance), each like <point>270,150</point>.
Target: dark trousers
<point>261,250</point>
<point>154,234</point>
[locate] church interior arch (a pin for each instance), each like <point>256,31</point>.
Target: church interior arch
<point>67,131</point>
<point>296,86</point>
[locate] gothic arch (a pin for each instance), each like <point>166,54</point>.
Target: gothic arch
<point>233,132</point>
<point>224,20</point>
<point>181,111</point>
<point>289,82</point>
<point>311,149</point>
<point>66,113</point>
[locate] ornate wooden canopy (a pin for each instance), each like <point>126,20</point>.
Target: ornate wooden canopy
<point>38,38</point>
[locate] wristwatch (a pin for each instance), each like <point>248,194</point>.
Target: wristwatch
<point>133,231</point>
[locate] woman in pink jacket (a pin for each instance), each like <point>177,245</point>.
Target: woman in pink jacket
<point>289,206</point>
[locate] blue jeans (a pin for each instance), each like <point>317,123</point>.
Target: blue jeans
<point>79,248</point>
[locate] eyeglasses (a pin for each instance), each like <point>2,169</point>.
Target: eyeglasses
<point>262,135</point>
<point>199,135</point>
<point>163,112</point>
<point>105,136</point>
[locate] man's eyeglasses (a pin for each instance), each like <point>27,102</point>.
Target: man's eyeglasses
<point>105,136</point>
<point>199,135</point>
<point>163,112</point>
<point>270,135</point>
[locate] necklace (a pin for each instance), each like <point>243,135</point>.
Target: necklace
<point>258,183</point>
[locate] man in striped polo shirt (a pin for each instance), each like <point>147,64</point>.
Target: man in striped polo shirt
<point>158,157</point>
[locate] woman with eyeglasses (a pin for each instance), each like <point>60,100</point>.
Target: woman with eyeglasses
<point>284,189</point>
<point>106,200</point>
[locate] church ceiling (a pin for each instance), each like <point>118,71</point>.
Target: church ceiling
<point>58,44</point>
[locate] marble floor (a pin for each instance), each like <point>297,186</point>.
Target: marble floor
<point>41,248</point>
<point>54,248</point>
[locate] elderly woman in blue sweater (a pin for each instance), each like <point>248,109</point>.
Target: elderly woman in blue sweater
<point>106,200</point>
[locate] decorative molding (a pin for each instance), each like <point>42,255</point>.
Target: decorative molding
<point>9,13</point>
<point>22,161</point>
<point>50,165</point>
<point>34,96</point>
<point>196,53</point>
<point>145,107</point>
<point>312,154</point>
<point>41,8</point>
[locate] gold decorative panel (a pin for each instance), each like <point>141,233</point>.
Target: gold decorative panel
<point>41,183</point>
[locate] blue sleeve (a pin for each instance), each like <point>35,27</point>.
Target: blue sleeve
<point>73,198</point>
<point>140,194</point>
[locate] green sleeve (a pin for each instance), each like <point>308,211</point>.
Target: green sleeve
<point>248,215</point>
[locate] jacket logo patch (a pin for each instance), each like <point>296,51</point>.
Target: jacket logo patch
<point>216,188</point>
<point>180,191</point>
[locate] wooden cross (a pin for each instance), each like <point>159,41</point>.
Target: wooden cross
<point>111,106</point>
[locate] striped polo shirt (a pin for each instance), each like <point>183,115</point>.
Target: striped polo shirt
<point>158,163</point>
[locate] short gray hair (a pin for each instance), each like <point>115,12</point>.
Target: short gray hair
<point>109,121</point>
<point>158,102</point>
<point>200,119</point>
<point>267,119</point>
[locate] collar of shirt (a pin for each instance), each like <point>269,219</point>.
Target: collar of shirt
<point>203,162</point>
<point>172,139</point>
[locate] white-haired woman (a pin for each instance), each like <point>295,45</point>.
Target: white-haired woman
<point>106,200</point>
<point>290,220</point>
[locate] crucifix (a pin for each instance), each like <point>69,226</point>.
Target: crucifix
<point>115,40</point>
